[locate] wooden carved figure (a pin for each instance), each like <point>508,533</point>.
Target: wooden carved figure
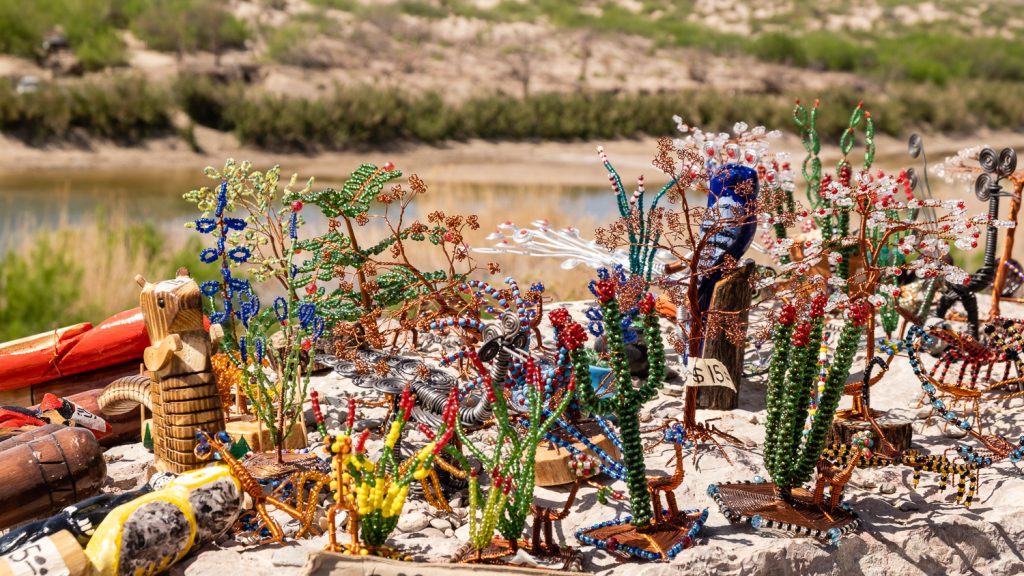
<point>183,395</point>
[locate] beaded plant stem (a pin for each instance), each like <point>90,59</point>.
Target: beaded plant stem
<point>265,244</point>
<point>647,534</point>
<point>511,463</point>
<point>628,399</point>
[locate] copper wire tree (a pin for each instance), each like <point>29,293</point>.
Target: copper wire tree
<point>373,291</point>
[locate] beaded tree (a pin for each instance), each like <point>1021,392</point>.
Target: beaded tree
<point>378,281</point>
<point>897,236</point>
<point>270,345</point>
<point>649,533</point>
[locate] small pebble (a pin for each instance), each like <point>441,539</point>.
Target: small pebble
<point>887,488</point>
<point>440,524</point>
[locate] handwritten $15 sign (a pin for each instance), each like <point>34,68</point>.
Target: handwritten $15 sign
<point>709,372</point>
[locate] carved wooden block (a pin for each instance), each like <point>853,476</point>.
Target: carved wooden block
<point>733,296</point>
<point>250,430</point>
<point>184,396</point>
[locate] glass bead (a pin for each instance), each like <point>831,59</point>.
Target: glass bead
<point>757,521</point>
<point>834,535</point>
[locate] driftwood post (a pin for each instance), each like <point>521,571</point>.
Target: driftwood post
<point>732,295</point>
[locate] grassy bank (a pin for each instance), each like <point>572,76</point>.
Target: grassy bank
<point>130,109</point>
<point>57,277</point>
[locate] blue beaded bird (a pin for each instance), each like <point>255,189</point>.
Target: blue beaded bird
<point>731,222</point>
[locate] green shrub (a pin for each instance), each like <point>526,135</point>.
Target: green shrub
<point>779,47</point>
<point>38,290</point>
<point>87,24</point>
<point>190,25</point>
<point>124,109</point>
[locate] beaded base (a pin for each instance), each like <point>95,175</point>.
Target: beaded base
<point>264,466</point>
<point>662,541</point>
<point>758,505</point>
<point>499,552</point>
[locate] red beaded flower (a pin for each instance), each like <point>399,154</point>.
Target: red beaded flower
<point>646,303</point>
<point>787,315</point>
<point>571,336</point>
<point>858,312</point>
<point>818,305</point>
<point>558,317</point>
<point>802,334</point>
<point>605,290</point>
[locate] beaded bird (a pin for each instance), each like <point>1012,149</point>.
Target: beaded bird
<point>729,224</point>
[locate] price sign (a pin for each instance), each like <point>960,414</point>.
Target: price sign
<point>709,372</point>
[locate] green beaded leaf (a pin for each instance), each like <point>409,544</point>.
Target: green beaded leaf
<point>354,198</point>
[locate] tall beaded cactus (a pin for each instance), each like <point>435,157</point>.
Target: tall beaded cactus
<point>791,454</point>
<point>833,225</point>
<point>628,399</point>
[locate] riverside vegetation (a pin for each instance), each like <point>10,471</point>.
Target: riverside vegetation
<point>129,109</point>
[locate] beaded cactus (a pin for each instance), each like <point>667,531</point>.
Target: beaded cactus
<point>628,399</point>
<point>791,454</point>
<point>374,493</point>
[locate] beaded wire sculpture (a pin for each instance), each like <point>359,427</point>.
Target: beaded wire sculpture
<point>265,242</point>
<point>898,236</point>
<point>987,170</point>
<point>648,534</point>
<point>973,383</point>
<point>297,496</point>
<point>510,466</point>
<point>380,292</point>
<point>797,427</point>
<point>527,400</point>
<point>374,493</point>
<point>943,398</point>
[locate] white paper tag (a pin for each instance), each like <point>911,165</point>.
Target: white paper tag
<point>709,372</point>
<point>40,558</point>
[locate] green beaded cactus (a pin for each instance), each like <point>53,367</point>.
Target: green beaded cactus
<point>628,399</point>
<point>838,224</point>
<point>791,454</point>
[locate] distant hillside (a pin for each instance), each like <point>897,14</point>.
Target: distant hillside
<point>943,64</point>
